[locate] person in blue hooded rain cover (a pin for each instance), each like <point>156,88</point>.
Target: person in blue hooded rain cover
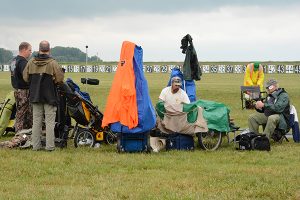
<point>174,94</point>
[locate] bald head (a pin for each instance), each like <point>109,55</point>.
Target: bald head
<point>44,47</point>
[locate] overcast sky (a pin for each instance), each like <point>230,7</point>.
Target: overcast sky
<point>232,30</point>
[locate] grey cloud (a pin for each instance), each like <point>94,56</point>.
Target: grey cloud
<point>58,9</point>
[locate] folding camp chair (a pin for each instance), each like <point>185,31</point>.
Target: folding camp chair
<point>249,95</point>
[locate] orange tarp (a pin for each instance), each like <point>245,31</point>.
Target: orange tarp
<point>121,103</point>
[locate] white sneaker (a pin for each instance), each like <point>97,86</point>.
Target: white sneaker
<point>155,150</point>
<point>88,141</point>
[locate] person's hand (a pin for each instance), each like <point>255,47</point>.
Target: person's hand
<point>259,105</point>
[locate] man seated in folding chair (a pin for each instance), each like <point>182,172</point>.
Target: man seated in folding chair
<point>273,113</point>
<point>254,76</point>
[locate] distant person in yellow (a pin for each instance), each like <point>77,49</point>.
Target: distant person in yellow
<point>254,75</point>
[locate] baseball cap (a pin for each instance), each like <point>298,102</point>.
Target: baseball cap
<point>271,82</point>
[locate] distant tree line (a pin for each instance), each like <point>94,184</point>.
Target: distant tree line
<point>61,54</point>
<point>5,56</point>
<point>70,54</point>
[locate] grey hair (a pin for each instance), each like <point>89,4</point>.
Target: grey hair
<point>175,78</point>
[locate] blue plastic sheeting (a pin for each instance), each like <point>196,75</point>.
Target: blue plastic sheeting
<point>294,124</point>
<point>146,113</point>
<point>176,72</point>
<point>84,95</point>
<point>190,88</point>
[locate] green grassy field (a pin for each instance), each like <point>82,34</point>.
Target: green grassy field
<point>102,173</point>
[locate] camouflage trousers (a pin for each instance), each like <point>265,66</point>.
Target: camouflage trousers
<point>24,110</point>
<point>18,140</point>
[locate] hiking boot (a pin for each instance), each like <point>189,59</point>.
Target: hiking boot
<point>50,150</point>
<point>38,149</point>
<point>26,145</point>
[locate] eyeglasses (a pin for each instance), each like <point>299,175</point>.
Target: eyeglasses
<point>270,87</point>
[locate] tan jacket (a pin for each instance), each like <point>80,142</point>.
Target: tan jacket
<point>43,73</point>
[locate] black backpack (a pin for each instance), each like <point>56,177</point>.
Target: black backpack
<point>245,140</point>
<point>253,141</point>
<point>261,143</point>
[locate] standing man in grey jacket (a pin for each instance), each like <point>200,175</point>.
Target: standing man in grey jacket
<point>43,73</point>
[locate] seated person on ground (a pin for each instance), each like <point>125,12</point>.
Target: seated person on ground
<point>172,118</point>
<point>275,111</point>
<point>174,94</point>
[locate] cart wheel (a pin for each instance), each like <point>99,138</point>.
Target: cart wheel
<point>110,137</point>
<point>84,138</point>
<point>210,140</point>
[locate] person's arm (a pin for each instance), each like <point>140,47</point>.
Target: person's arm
<point>185,98</point>
<point>281,103</point>
<point>58,74</point>
<point>261,77</point>
<point>22,65</point>
<point>26,72</point>
<point>247,78</point>
<point>162,96</point>
<point>259,105</point>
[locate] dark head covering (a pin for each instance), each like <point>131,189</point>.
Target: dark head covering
<point>271,82</point>
<point>256,66</point>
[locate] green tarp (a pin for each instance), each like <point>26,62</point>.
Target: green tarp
<point>216,114</point>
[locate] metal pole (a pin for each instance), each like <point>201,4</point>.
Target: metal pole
<point>86,54</point>
<point>86,60</point>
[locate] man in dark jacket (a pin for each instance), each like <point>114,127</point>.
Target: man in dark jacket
<point>23,108</point>
<point>274,113</point>
<point>43,73</point>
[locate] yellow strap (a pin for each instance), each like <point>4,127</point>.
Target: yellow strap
<point>87,113</point>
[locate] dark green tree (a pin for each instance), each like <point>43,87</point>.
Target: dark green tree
<point>5,56</point>
<point>69,54</point>
<point>95,59</point>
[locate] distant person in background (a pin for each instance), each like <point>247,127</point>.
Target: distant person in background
<point>174,94</point>
<point>23,118</point>
<point>254,75</point>
<point>43,73</point>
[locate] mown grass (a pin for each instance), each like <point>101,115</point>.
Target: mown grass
<point>104,174</point>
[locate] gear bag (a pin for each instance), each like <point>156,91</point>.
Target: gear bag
<point>253,141</point>
<point>12,69</point>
